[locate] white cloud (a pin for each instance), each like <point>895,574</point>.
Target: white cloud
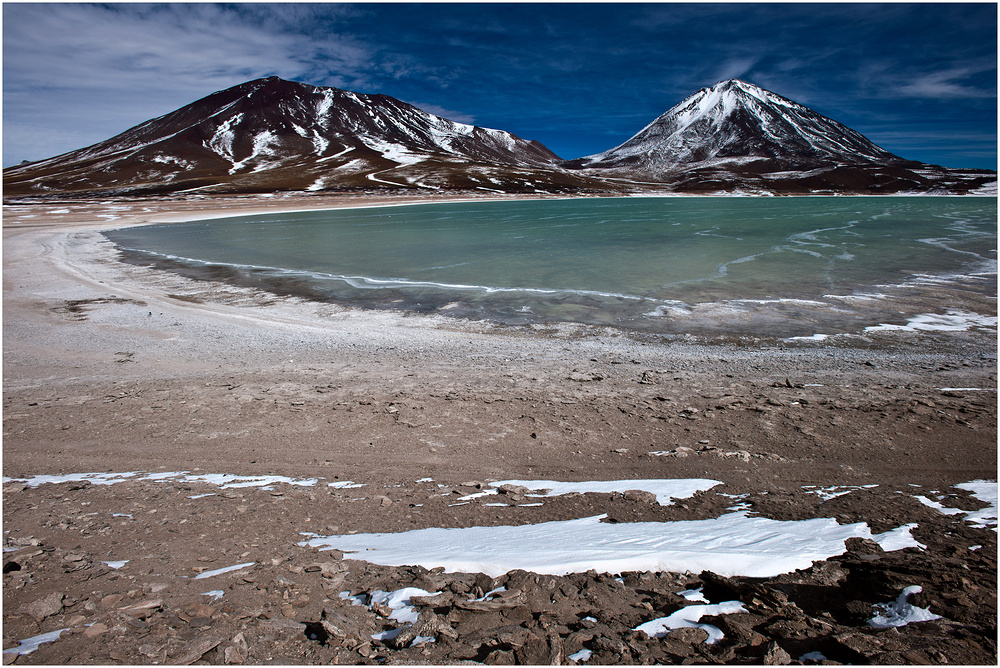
<point>76,74</point>
<point>734,68</point>
<point>945,84</point>
<point>457,116</point>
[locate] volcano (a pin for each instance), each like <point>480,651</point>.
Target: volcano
<point>736,122</point>
<point>271,135</point>
<point>735,136</point>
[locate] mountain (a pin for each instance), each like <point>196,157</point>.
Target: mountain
<point>272,135</point>
<point>738,136</point>
<point>736,122</point>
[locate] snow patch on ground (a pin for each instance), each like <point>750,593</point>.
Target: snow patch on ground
<point>812,656</point>
<point>693,595</point>
<point>901,613</point>
<point>690,617</point>
<point>265,144</point>
<point>29,645</point>
<point>403,610</point>
<point>813,337</point>
<point>936,505</point>
<point>985,491</point>
<point>356,599</point>
<point>399,600</point>
<point>733,544</point>
<point>345,484</point>
<point>832,492</point>
<point>223,480</point>
<point>220,571</point>
<point>395,152</point>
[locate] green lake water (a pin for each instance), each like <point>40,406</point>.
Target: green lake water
<point>775,266</point>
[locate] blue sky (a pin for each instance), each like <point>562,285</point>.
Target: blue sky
<point>917,79</point>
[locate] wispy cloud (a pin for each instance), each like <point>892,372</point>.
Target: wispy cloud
<point>437,110</point>
<point>948,84</point>
<point>735,68</point>
<point>103,68</point>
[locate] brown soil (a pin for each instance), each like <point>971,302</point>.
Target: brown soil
<point>109,367</point>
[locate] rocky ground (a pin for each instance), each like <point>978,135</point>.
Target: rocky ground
<point>288,607</point>
<point>111,368</point>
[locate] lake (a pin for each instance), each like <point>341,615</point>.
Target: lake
<point>673,265</point>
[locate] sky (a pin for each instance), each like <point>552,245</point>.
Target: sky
<point>918,79</point>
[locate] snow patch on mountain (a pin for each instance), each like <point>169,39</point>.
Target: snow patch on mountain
<point>324,104</point>
<point>395,152</point>
<point>222,141</point>
<point>265,144</point>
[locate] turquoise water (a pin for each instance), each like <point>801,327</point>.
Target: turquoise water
<point>645,263</point>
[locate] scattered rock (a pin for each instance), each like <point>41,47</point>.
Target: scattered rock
<point>776,656</point>
<point>348,622</point>
<point>640,496</point>
<point>510,489</point>
<point>504,600</point>
<point>195,650</point>
<point>98,628</point>
<point>688,635</point>
<point>44,607</point>
<point>143,609</point>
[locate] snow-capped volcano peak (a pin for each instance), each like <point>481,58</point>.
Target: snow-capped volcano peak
<point>735,121</point>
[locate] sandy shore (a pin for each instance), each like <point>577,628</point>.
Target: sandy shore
<point>110,367</point>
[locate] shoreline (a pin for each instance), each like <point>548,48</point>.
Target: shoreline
<point>845,317</point>
<point>114,368</point>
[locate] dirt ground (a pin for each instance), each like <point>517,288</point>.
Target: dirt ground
<point>115,368</point>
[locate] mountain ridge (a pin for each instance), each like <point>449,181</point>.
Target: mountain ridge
<point>270,135</point>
